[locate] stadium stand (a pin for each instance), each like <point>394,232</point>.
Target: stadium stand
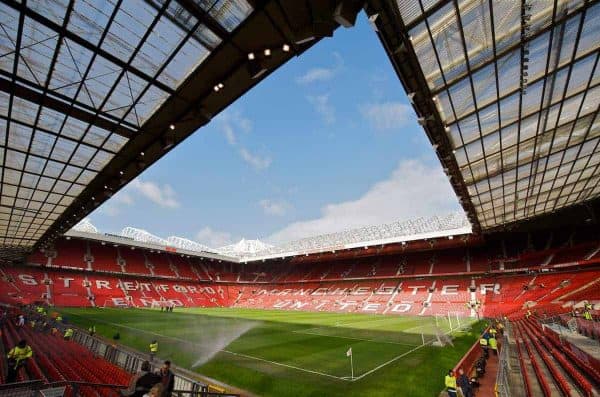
<point>497,279</point>
<point>411,278</point>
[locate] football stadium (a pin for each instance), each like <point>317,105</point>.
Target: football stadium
<point>258,136</point>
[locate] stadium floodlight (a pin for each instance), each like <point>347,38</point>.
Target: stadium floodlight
<point>251,56</point>
<point>267,52</point>
<point>286,48</point>
<point>172,127</point>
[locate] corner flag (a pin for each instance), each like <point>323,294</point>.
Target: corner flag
<point>349,354</point>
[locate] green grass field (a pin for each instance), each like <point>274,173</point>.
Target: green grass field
<point>279,353</point>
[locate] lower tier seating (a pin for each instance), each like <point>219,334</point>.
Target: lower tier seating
<point>554,370</point>
<point>56,360</point>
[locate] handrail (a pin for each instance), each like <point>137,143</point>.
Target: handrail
<point>18,385</point>
<point>82,383</point>
<point>202,393</point>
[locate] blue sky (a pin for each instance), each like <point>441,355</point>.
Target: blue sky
<point>326,143</point>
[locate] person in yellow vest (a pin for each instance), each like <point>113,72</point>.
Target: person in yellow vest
<point>153,349</point>
<point>68,334</point>
<point>587,315</point>
<point>92,330</point>
<point>493,345</point>
<point>528,314</point>
<point>483,342</point>
<point>450,382</point>
<point>17,357</point>
<point>493,332</point>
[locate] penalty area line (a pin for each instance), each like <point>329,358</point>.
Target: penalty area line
<point>393,360</point>
<point>345,378</point>
<point>354,338</point>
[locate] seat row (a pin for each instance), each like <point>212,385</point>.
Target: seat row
<point>556,369</point>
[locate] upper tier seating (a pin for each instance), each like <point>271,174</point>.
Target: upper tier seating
<point>105,258</point>
<point>70,254</point>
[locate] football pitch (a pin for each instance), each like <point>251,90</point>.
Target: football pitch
<point>280,353</point>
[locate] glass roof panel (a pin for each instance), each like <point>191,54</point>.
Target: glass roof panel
<point>524,139</point>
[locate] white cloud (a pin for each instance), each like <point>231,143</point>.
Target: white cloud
<point>413,190</point>
<point>114,206</point>
<point>233,122</point>
<point>386,115</point>
<point>274,207</point>
<point>229,134</point>
<point>213,238</point>
<point>255,160</point>
<point>316,74</point>
<point>162,195</point>
<point>321,73</point>
<point>323,107</point>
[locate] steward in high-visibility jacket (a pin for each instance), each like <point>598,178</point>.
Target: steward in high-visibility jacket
<point>68,333</point>
<point>483,342</point>
<point>92,330</point>
<point>153,349</point>
<point>450,382</point>
<point>587,315</point>
<point>493,345</point>
<point>17,357</point>
<point>493,332</point>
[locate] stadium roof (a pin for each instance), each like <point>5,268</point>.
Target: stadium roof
<point>508,93</point>
<point>94,91</point>
<point>251,250</point>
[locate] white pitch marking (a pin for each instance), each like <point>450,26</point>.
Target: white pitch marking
<point>392,360</point>
<point>224,351</point>
<point>345,378</point>
<point>354,322</point>
<point>353,338</point>
<point>285,365</point>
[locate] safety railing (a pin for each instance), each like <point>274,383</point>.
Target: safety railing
<point>503,376</point>
<point>131,361</point>
<point>57,389</point>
